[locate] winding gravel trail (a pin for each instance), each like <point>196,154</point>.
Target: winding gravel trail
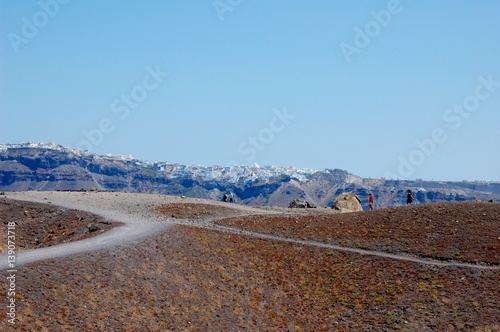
<point>405,257</point>
<point>139,221</point>
<point>133,229</point>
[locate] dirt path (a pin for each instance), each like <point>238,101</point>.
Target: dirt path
<point>408,258</point>
<point>136,212</point>
<point>135,226</point>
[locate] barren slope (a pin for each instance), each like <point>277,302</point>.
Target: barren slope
<point>200,277</point>
<point>468,232</point>
<point>43,225</point>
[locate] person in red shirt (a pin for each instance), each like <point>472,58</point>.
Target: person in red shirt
<point>370,201</point>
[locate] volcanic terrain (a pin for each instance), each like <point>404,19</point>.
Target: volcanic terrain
<point>213,266</point>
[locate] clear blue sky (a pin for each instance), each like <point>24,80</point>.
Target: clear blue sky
<point>418,71</point>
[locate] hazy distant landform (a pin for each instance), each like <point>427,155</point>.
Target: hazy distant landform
<point>50,167</point>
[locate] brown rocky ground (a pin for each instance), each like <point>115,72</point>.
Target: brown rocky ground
<point>43,225</point>
<point>194,211</point>
<point>195,279</point>
<point>468,232</point>
<point>192,279</point>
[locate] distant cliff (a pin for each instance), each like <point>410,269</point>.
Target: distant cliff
<point>35,166</point>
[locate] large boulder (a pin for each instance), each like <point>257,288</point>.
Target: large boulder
<point>298,204</point>
<point>347,202</point>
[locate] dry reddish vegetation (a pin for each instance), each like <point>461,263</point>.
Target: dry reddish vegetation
<point>467,232</point>
<point>191,279</point>
<point>193,211</point>
<point>43,225</point>
<point>194,279</point>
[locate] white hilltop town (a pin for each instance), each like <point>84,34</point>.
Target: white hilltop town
<point>231,174</point>
<point>234,174</point>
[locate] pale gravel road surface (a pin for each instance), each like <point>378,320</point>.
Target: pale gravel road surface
<point>134,225</point>
<point>134,211</point>
<point>139,221</point>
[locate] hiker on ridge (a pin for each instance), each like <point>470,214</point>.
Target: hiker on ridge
<point>409,198</point>
<point>370,202</point>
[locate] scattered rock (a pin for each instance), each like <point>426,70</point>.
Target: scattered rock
<point>92,227</point>
<point>347,202</point>
<point>298,204</point>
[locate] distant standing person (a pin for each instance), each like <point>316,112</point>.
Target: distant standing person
<point>231,197</point>
<point>409,198</point>
<point>224,198</point>
<point>370,201</point>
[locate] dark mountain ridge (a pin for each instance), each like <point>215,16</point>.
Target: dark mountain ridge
<point>38,166</point>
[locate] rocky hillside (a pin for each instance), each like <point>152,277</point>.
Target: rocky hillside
<point>33,166</point>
